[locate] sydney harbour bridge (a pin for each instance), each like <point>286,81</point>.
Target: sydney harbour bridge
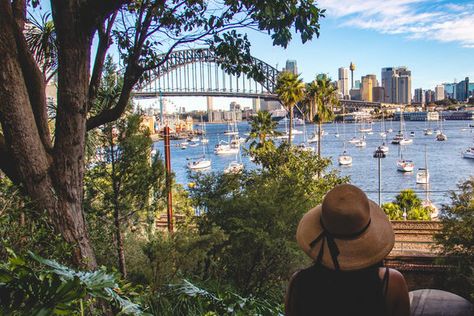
<point>198,72</point>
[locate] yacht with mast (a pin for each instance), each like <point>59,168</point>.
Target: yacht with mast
<point>400,138</point>
<point>344,159</point>
<point>199,163</point>
<point>440,136</point>
<point>404,165</point>
<point>423,175</point>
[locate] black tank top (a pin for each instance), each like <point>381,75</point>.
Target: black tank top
<point>321,291</point>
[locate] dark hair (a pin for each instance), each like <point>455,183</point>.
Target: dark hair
<point>320,291</point>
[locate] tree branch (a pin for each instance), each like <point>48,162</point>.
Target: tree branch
<point>19,12</point>
<point>104,44</point>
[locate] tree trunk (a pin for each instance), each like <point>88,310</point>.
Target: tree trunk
<point>120,249</point>
<point>291,125</point>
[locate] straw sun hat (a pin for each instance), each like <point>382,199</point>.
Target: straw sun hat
<point>347,231</point>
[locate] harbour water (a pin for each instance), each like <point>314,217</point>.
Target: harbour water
<point>445,162</point>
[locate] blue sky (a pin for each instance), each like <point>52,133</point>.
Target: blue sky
<point>434,39</point>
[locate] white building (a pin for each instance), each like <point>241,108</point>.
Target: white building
<point>343,82</point>
<point>439,92</point>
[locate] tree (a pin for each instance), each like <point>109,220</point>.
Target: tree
<point>290,90</point>
<point>321,94</point>
<point>457,238</point>
<point>50,168</point>
<point>409,203</point>
<point>261,127</point>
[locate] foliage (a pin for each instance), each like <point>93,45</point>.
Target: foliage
<point>407,201</point>
<point>259,212</point>
<point>261,127</point>
<point>41,40</point>
<point>187,298</point>
<point>457,238</point>
<point>320,98</point>
<point>290,90</point>
<point>23,228</point>
<point>55,289</point>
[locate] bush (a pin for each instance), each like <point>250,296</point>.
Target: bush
<point>407,201</point>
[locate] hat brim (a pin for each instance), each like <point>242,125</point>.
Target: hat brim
<point>357,253</point>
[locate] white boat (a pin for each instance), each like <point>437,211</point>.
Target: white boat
<point>344,159</point>
<point>412,134</point>
<point>294,131</point>
<point>305,147</point>
<point>234,167</point>
<point>404,165</point>
<point>194,139</point>
<point>397,138</point>
<point>423,174</point>
<point>469,153</point>
<point>383,134</point>
<point>199,164</point>
<point>204,140</point>
<point>224,148</point>
<point>153,152</point>
<point>406,141</point>
<point>313,139</point>
<point>383,148</point>
<point>354,140</point>
<point>193,144</point>
<point>441,137</point>
<point>183,145</point>
<point>361,143</point>
<point>390,130</point>
<point>428,131</point>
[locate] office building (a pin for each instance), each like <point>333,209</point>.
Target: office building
<point>234,106</point>
<point>256,104</point>
<point>462,90</point>
<point>343,82</point>
<point>429,96</point>
<point>210,109</point>
<point>355,94</point>
<point>368,82</point>
<point>449,90</point>
<point>397,85</point>
<point>357,84</point>
<point>378,94</point>
<point>291,66</point>
<point>439,92</point>
<point>419,96</point>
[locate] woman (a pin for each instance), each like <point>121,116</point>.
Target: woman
<point>347,236</point>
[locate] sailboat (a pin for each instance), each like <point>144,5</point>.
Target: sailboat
<point>400,138</point>
<point>201,162</point>
<point>204,140</point>
<point>304,146</point>
<point>235,166</point>
<point>423,175</point>
<point>440,136</point>
<point>404,165</point>
<point>383,132</point>
<point>344,159</point>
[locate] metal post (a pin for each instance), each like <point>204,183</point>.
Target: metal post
<point>168,178</point>
<point>379,154</point>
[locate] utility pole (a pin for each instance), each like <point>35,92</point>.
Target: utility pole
<point>379,155</point>
<point>168,178</point>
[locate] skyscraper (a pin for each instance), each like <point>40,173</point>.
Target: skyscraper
<point>419,96</point>
<point>368,82</point>
<point>352,67</point>
<point>397,84</point>
<point>343,82</point>
<point>462,90</point>
<point>291,66</point>
<point>439,92</point>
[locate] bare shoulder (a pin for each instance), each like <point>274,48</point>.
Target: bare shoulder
<point>397,294</point>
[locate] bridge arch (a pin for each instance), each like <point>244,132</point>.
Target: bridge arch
<point>197,72</point>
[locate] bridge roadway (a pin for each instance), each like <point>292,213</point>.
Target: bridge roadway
<point>229,94</point>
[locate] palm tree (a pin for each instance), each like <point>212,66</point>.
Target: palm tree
<point>41,40</point>
<point>323,97</point>
<point>262,126</point>
<point>290,90</point>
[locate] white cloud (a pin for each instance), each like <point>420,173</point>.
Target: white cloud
<point>416,19</point>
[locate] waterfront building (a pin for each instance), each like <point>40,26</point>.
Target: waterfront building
<point>291,66</point>
<point>343,81</point>
<point>450,90</point>
<point>269,106</point>
<point>458,115</point>
<point>368,82</point>
<point>419,96</point>
<point>397,85</point>
<point>462,90</point>
<point>417,116</point>
<point>439,92</point>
